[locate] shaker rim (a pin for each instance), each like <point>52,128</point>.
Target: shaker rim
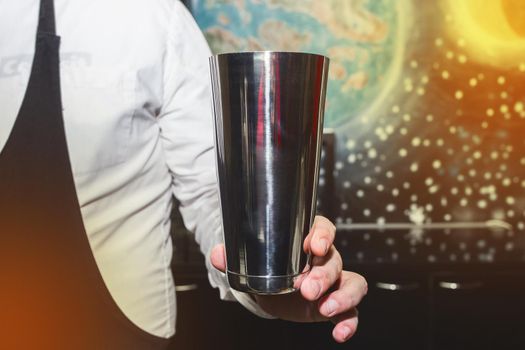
<point>248,53</point>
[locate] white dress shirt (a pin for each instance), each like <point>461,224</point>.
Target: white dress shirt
<point>136,100</point>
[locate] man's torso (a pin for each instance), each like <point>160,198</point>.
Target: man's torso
<point>112,73</point>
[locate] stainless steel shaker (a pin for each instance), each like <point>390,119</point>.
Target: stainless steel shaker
<point>268,109</point>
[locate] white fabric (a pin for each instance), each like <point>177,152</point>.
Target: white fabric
<point>135,93</point>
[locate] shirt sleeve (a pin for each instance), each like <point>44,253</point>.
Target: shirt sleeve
<point>187,136</point>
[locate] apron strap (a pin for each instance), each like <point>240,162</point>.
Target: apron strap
<point>46,23</point>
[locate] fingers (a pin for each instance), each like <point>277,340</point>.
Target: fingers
<point>346,326</point>
<point>320,238</point>
<point>340,304</point>
<point>350,289</point>
<point>218,257</point>
<point>325,272</point>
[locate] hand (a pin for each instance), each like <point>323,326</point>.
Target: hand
<point>326,291</point>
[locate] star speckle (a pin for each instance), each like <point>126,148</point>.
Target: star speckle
<point>446,147</point>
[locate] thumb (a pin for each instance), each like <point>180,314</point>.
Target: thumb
<point>218,257</point>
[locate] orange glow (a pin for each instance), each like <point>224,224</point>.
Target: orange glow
<point>493,30</point>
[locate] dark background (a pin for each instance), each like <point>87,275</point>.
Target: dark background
<point>433,216</point>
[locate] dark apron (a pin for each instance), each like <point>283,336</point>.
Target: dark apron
<point>52,295</point>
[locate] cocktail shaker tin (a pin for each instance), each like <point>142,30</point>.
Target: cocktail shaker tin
<point>268,110</point>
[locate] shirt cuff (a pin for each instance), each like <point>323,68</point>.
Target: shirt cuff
<point>250,304</point>
<point>229,294</point>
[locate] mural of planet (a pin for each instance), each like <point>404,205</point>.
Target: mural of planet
<point>427,101</point>
<point>364,40</point>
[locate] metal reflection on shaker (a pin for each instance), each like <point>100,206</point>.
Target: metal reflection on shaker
<point>268,109</point>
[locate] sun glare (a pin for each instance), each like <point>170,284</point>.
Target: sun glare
<point>493,30</point>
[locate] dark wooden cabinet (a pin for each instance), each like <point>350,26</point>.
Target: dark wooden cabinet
<point>205,322</point>
<point>478,310</point>
<point>404,310</point>
<point>443,310</point>
<point>394,314</point>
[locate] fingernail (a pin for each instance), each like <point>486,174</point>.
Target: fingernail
<point>314,288</point>
<point>324,244</point>
<point>346,332</point>
<point>329,308</point>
